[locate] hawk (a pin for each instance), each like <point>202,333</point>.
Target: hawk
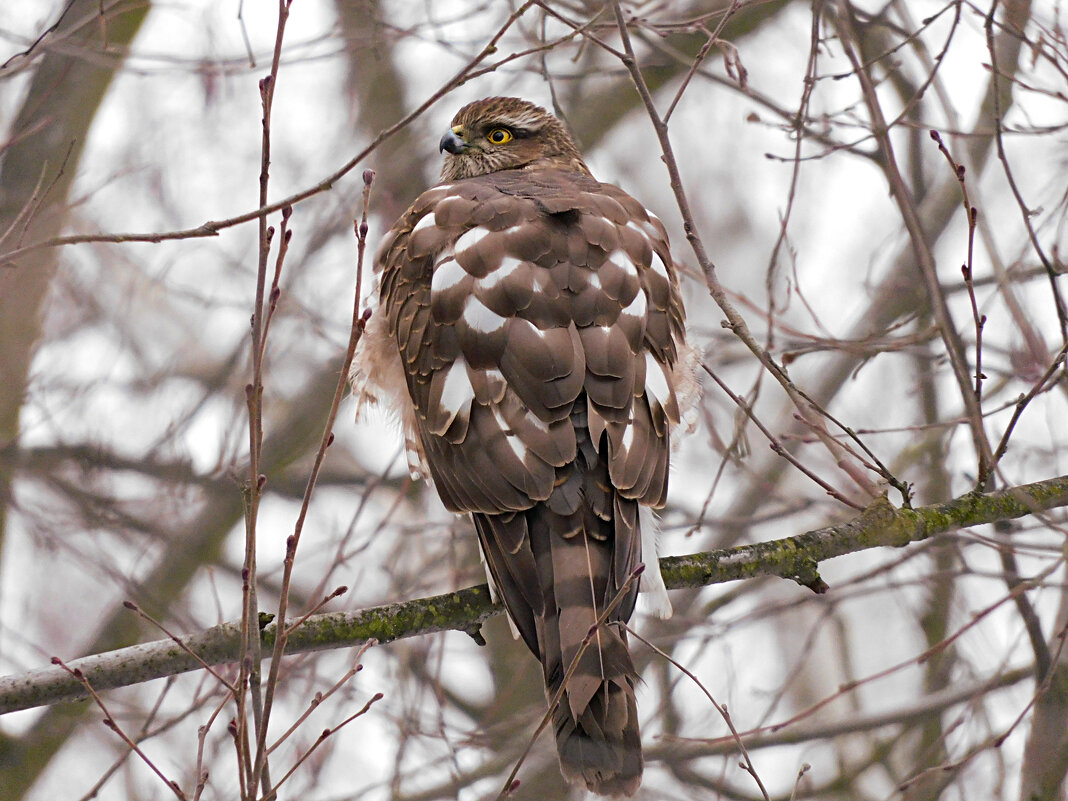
<point>530,336</point>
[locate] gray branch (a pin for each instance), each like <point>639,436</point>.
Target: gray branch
<point>796,558</point>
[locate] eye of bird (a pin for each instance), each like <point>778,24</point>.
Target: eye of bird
<point>499,136</point>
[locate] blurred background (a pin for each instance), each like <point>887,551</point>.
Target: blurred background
<point>933,671</point>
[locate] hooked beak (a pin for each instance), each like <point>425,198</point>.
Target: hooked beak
<point>452,143</point>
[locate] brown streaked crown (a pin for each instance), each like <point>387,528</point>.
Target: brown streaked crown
<point>537,140</point>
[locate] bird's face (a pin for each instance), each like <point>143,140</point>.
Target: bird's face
<point>505,134</point>
<point>486,146</point>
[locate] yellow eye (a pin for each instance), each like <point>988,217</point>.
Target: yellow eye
<point>499,136</point>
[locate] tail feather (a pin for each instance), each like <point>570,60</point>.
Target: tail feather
<point>558,566</point>
<point>602,748</point>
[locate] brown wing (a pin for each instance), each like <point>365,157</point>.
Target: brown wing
<point>509,295</point>
<point>536,316</point>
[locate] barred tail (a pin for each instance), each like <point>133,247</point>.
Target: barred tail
<point>558,566</point>
<point>601,746</point>
<point>581,571</point>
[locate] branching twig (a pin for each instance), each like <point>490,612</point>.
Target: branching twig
<point>1040,386</point>
<point>747,763</point>
<point>109,721</point>
<point>213,227</point>
<point>917,237</point>
<point>734,321</point>
<point>776,445</point>
<point>880,525</point>
<point>355,331</point>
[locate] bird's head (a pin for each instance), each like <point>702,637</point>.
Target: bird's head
<point>506,133</point>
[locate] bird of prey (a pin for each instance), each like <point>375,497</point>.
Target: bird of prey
<point>530,337</point>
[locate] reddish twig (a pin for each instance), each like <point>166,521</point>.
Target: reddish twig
<point>747,763</point>
<point>355,331</point>
<point>734,320</point>
<point>917,238</point>
<point>178,641</point>
<point>1021,404</point>
<point>1025,212</point>
<point>213,227</point>
<point>250,656</point>
<point>273,794</point>
<point>979,320</point>
<point>109,721</point>
<point>202,736</point>
<point>776,445</point>
<point>320,697</point>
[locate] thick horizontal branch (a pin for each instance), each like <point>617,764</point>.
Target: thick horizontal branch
<point>794,557</point>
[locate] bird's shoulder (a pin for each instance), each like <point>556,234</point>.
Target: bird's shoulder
<point>503,200</point>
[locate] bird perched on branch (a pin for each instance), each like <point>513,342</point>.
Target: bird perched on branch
<point>530,337</point>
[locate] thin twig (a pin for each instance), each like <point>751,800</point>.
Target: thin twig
<point>327,439</point>
<point>917,237</point>
<point>1024,400</point>
<point>250,663</point>
<point>978,320</point>
<point>1025,212</point>
<point>734,321</point>
<point>320,697</point>
<point>321,739</point>
<point>109,721</point>
<point>776,445</point>
<point>213,227</point>
<point>747,763</point>
<point>202,736</point>
<point>178,641</point>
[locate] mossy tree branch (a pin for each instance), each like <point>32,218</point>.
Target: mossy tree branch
<point>797,558</point>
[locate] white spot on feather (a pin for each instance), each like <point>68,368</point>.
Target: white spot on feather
<point>658,265</point>
<point>426,221</point>
<point>508,265</point>
<point>447,274</point>
<point>637,307</point>
<point>481,318</point>
<point>457,392</point>
<point>646,228</point>
<point>620,259</point>
<point>656,381</point>
<point>470,238</point>
<point>514,442</point>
